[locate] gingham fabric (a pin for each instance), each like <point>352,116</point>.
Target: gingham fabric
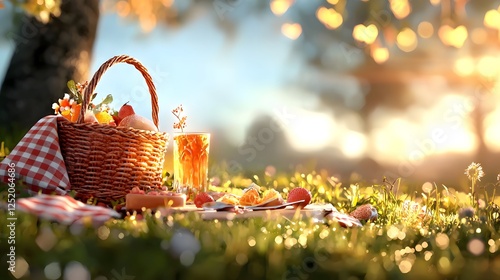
<point>64,209</point>
<point>38,160</point>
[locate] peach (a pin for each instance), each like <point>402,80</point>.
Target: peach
<point>138,122</point>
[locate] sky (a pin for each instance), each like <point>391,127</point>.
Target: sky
<point>224,83</point>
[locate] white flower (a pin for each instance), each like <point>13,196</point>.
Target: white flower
<point>55,106</point>
<point>474,171</point>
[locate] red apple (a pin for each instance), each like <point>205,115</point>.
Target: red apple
<point>125,111</point>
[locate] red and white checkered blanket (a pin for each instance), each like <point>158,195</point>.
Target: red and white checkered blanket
<point>38,161</point>
<point>64,209</point>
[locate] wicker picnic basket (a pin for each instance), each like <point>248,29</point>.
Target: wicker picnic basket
<point>105,162</point>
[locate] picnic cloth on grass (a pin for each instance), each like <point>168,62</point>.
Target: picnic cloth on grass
<point>38,160</point>
<point>64,209</point>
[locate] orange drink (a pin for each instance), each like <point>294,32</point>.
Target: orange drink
<point>191,162</point>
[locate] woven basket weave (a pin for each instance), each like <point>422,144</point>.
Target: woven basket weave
<point>106,162</point>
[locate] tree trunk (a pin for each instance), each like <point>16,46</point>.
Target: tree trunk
<point>45,58</point>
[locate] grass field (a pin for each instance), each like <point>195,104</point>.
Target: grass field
<point>434,233</point>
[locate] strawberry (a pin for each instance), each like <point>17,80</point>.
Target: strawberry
<point>365,212</point>
<point>202,198</point>
<point>299,194</point>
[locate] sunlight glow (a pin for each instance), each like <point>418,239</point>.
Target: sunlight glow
<point>444,127</point>
<point>448,126</point>
<point>353,144</point>
<point>310,131</point>
<point>464,66</point>
<point>488,66</point>
<point>389,139</point>
<point>492,130</point>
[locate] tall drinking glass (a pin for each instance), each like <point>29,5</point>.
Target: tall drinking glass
<point>191,162</point>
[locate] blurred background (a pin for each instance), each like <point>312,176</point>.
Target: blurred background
<point>361,89</point>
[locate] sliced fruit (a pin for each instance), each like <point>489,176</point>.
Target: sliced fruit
<point>229,199</point>
<point>271,197</point>
<point>250,197</point>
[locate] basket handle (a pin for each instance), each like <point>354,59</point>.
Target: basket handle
<point>89,89</point>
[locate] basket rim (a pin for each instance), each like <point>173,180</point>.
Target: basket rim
<point>110,127</point>
<point>90,88</point>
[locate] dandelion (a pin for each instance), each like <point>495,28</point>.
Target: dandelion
<point>474,172</point>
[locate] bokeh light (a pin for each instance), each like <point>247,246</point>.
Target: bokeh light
<point>425,29</point>
<point>464,66</point>
<point>367,34</point>
<point>329,17</point>
<point>380,55</point>
<point>279,7</point>
<point>291,30</point>
<point>407,40</point>
<point>453,36</point>
<point>492,19</point>
<point>479,36</point>
<point>400,8</point>
<point>475,246</point>
<point>488,66</point>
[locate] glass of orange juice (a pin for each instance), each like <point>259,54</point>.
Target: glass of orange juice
<point>191,162</point>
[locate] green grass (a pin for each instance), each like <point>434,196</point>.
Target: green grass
<point>417,235</point>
